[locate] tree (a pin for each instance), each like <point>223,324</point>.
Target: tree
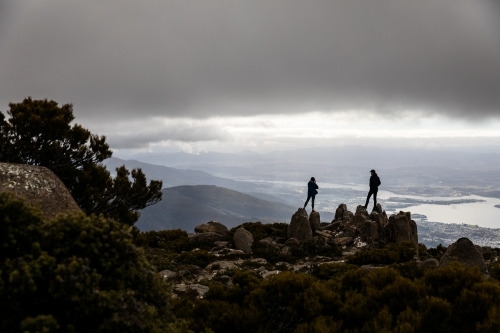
<point>75,274</point>
<point>39,132</point>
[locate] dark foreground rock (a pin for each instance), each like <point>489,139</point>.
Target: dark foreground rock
<point>464,252</point>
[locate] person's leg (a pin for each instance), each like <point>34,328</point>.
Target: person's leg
<point>313,201</point>
<point>375,199</point>
<point>308,197</point>
<point>368,198</point>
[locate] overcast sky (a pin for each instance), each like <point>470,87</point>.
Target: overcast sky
<point>261,75</point>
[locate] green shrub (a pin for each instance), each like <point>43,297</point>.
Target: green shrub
<point>328,271</point>
<point>174,240</point>
<point>314,247</point>
<point>392,253</point>
<point>437,252</point>
<point>75,274</point>
<point>270,253</point>
<point>261,230</point>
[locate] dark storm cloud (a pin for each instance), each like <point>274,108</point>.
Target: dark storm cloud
<point>141,137</point>
<point>129,59</point>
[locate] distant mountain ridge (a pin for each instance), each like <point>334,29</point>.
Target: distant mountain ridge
<point>185,207</point>
<point>177,177</point>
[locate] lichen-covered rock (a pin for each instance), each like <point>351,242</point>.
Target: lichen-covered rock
<point>212,226</point>
<point>464,252</point>
<point>39,186</point>
<point>243,240</point>
<point>299,227</point>
<point>314,221</point>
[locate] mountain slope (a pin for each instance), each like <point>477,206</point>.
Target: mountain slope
<point>176,177</point>
<point>185,207</point>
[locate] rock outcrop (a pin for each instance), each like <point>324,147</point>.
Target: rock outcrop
<point>212,226</point>
<point>402,229</point>
<point>299,227</point>
<point>39,186</point>
<point>464,252</point>
<point>314,221</point>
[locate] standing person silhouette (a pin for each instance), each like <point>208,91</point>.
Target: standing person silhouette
<point>312,190</point>
<point>374,184</point>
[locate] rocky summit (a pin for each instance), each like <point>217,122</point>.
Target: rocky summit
<point>38,186</point>
<point>371,240</point>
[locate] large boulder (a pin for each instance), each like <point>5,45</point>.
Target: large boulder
<point>342,214</point>
<point>243,240</point>
<point>402,229</point>
<point>206,237</point>
<point>464,252</point>
<point>299,227</point>
<point>39,187</point>
<point>369,232</point>
<point>212,226</point>
<point>314,221</point>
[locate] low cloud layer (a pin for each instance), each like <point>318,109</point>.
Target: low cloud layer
<point>136,59</point>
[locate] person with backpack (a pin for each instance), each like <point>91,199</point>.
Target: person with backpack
<point>312,190</point>
<point>374,184</point>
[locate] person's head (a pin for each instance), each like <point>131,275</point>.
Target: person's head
<point>372,172</point>
<point>313,179</point>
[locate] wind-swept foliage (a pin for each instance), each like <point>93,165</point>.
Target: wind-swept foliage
<point>39,132</point>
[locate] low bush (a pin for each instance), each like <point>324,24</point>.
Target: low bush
<point>261,230</point>
<point>392,253</point>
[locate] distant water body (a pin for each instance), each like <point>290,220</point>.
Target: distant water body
<point>483,214</point>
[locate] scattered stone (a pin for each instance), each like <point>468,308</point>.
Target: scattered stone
<point>292,243</point>
<point>284,266</point>
<point>322,234</point>
<point>299,227</point>
<point>258,261</point>
<point>199,288</point>
<point>334,226</point>
<point>212,226</point>
<point>267,241</point>
<point>464,252</point>
<point>222,244</point>
<point>430,263</point>
<point>221,265</point>
<point>286,251</point>
<point>344,241</point>
<point>314,221</point>
<point>167,274</point>
<point>243,240</point>
<point>224,252</point>
<point>271,273</point>
<point>225,279</point>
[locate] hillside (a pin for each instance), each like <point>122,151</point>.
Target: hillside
<point>176,177</point>
<point>185,207</point>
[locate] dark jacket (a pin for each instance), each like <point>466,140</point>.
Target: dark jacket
<point>374,182</point>
<point>311,188</point>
